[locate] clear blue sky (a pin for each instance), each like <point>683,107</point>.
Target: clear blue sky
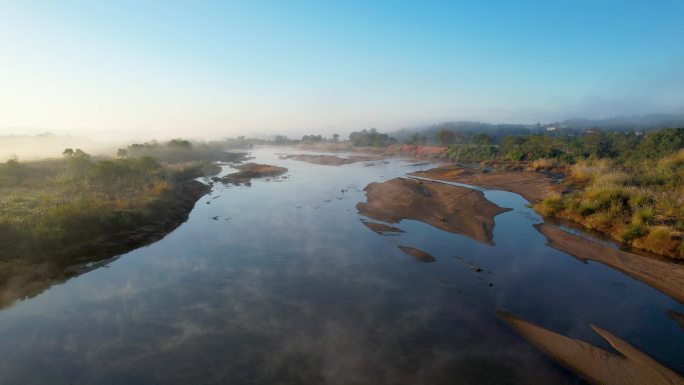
<point>202,68</point>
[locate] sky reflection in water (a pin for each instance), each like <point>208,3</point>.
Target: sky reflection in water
<point>287,285</point>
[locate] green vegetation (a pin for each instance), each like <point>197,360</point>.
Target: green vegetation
<point>627,184</point>
<point>641,204</point>
<point>369,138</point>
<point>53,209</point>
<point>179,150</point>
<point>74,210</point>
<point>563,146</point>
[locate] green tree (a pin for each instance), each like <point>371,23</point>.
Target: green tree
<point>482,139</point>
<point>446,137</point>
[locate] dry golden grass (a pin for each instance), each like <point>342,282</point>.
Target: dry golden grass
<point>642,205</point>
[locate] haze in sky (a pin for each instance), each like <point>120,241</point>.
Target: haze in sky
<point>216,69</point>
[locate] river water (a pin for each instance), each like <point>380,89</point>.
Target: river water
<point>282,283</point>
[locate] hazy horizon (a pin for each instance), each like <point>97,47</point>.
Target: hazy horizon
<point>160,70</point>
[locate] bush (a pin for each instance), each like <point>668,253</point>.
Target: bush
<point>544,164</point>
<point>551,205</point>
<point>633,231</point>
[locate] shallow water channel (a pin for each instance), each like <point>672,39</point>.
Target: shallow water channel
<point>281,282</point>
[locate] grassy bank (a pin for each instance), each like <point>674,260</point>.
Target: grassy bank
<point>61,210</point>
<point>59,213</point>
<point>639,204</point>
<point>627,185</point>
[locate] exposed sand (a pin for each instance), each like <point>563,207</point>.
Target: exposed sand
<point>418,254</point>
<point>664,276</point>
<point>533,186</point>
<point>454,209</point>
<point>382,228</point>
<point>595,364</point>
<point>330,160</point>
<point>251,170</point>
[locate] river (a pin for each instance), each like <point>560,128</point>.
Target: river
<point>281,282</point>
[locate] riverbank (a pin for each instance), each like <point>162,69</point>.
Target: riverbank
<point>629,366</point>
<point>607,201</point>
<point>28,273</point>
<point>664,276</point>
<point>533,186</point>
<point>59,217</point>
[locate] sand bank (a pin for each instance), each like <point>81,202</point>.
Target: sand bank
<point>382,228</point>
<point>593,363</point>
<point>418,254</point>
<point>454,209</point>
<point>663,276</point>
<point>249,171</point>
<point>533,186</point>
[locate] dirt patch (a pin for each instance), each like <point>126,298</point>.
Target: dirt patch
<point>330,160</point>
<point>382,228</point>
<point>249,171</point>
<point>418,254</point>
<point>594,364</point>
<point>663,276</point>
<point>533,186</point>
<point>454,209</point>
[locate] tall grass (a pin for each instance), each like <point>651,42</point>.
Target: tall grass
<point>642,205</point>
<point>47,208</point>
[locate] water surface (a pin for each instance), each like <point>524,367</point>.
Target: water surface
<point>280,282</point>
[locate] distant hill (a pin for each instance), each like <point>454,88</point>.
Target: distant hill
<point>464,126</point>
<point>619,123</point>
<point>627,123</point>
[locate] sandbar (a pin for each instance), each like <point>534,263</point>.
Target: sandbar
<point>382,228</point>
<point>450,208</point>
<point>630,367</point>
<point>251,170</point>
<point>661,275</point>
<point>532,185</point>
<point>418,254</point>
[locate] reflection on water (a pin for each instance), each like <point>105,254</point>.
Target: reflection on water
<point>281,282</point>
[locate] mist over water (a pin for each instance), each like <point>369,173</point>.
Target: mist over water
<point>280,282</point>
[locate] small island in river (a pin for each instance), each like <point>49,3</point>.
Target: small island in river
<point>249,171</point>
<point>450,208</point>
